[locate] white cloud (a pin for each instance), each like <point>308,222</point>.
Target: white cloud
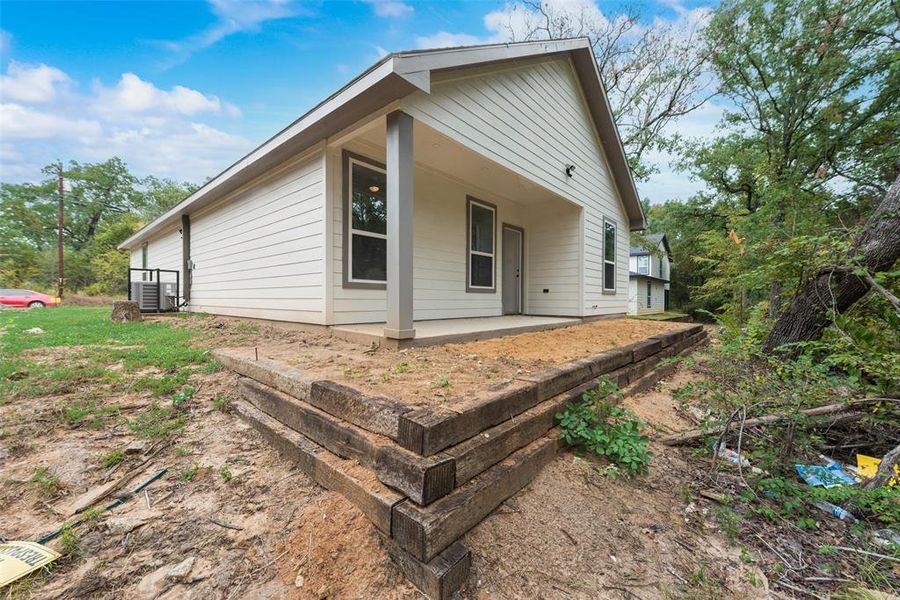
<point>444,39</point>
<point>134,95</point>
<point>390,8</point>
<point>233,16</point>
<point>25,83</point>
<point>19,122</point>
<point>155,131</point>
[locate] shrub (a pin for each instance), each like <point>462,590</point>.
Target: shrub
<point>597,425</point>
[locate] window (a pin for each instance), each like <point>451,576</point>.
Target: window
<point>145,252</point>
<point>649,295</point>
<point>609,256</point>
<point>365,217</point>
<point>643,265</point>
<point>480,267</point>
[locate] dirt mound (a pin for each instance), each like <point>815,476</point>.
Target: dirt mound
<point>335,553</point>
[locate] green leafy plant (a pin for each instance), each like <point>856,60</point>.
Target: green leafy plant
<point>186,393</point>
<point>191,472</point>
<point>595,424</point>
<point>225,473</point>
<point>222,403</point>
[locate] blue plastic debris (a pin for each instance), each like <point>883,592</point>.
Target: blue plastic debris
<point>828,476</point>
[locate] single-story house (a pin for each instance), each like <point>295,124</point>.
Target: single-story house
<point>439,184</point>
<point>649,274</point>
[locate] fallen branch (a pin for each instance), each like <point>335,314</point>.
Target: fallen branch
<point>694,435</point>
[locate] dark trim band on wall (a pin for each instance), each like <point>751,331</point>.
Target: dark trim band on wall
<point>186,255</point>
<point>479,290</point>
<point>346,155</point>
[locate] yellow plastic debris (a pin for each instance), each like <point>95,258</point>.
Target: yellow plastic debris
<point>18,559</point>
<point>868,467</point>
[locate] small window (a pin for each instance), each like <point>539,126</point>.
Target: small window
<point>367,210</point>
<point>643,265</point>
<point>145,249</point>
<point>609,256</point>
<point>649,295</point>
<point>482,218</point>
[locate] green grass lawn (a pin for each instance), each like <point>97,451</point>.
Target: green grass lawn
<point>79,345</point>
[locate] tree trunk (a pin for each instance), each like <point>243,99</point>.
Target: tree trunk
<point>885,469</point>
<point>878,248</point>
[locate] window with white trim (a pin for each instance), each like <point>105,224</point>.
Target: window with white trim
<point>609,256</point>
<point>482,268</point>
<point>367,213</point>
<point>643,265</point>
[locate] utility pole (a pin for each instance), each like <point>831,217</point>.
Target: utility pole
<point>61,219</point>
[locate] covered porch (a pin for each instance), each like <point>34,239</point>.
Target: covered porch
<point>446,331</point>
<point>472,250</point>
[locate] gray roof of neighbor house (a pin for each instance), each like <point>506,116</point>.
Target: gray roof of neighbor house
<point>652,237</point>
<point>396,76</point>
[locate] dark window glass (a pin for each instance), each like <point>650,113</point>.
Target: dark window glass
<point>649,295</point>
<point>482,229</point>
<point>609,242</point>
<point>609,276</point>
<point>368,199</point>
<point>369,258</point>
<point>481,271</point>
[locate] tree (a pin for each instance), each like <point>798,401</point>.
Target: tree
<point>835,289</point>
<point>653,73</point>
<point>160,195</point>
<point>807,146</point>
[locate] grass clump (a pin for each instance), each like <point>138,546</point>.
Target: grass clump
<point>112,458</point>
<point>595,424</point>
<point>157,422</point>
<point>48,483</point>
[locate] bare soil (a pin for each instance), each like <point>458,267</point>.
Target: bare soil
<point>257,528</point>
<point>437,374</point>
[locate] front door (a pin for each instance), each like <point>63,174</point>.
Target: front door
<point>513,251</point>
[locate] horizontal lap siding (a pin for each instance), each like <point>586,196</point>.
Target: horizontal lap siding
<point>553,256</point>
<point>533,120</point>
<point>261,253</point>
<point>638,296</point>
<point>439,247</point>
<point>163,252</point>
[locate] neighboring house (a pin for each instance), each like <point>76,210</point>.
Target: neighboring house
<point>461,182</point>
<point>649,275</point>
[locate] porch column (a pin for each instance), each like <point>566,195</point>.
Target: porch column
<point>399,226</point>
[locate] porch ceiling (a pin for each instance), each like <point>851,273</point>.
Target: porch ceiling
<point>434,150</point>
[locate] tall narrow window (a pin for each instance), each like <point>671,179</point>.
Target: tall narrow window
<point>649,295</point>
<point>366,215</point>
<point>643,265</point>
<point>481,264</point>
<point>609,256</point>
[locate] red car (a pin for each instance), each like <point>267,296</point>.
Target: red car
<point>26,299</point>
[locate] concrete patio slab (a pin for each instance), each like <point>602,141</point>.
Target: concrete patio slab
<point>445,331</point>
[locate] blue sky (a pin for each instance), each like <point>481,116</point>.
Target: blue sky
<point>182,89</point>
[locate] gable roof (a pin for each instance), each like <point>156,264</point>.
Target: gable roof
<point>393,77</point>
<point>658,238</point>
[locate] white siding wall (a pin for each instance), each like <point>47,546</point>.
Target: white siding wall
<point>532,118</point>
<point>552,260</point>
<point>260,252</point>
<point>163,252</point>
<point>637,296</point>
<point>439,247</point>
